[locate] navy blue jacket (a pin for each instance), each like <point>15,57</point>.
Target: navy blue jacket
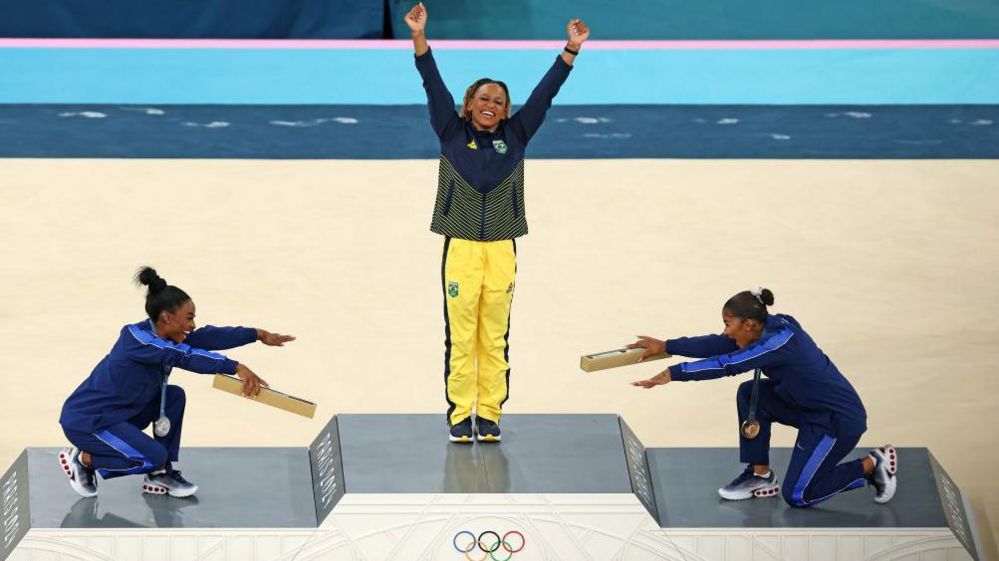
<point>130,377</point>
<point>484,167</point>
<point>802,375</point>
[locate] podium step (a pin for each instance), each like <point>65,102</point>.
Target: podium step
<point>391,486</point>
<point>539,454</point>
<point>685,480</point>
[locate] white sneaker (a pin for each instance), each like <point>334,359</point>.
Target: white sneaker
<point>883,477</point>
<point>81,478</point>
<point>749,485</point>
<point>168,482</point>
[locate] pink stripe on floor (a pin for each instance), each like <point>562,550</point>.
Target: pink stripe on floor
<point>398,44</point>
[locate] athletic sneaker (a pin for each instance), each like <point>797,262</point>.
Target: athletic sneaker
<point>883,477</point>
<point>749,485</point>
<point>168,482</point>
<point>486,430</point>
<point>462,432</point>
<point>81,478</point>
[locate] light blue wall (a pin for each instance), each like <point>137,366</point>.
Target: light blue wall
<point>250,76</point>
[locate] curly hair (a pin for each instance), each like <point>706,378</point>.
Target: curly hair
<point>465,113</point>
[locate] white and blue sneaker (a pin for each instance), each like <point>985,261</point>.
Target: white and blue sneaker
<point>168,482</point>
<point>82,479</point>
<point>883,477</point>
<point>749,485</point>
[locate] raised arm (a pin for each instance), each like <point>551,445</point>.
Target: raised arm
<point>416,19</point>
<point>577,33</point>
<point>443,118</point>
<point>529,118</point>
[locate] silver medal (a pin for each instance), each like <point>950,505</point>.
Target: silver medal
<point>161,427</point>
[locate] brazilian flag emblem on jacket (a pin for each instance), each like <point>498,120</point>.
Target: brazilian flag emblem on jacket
<point>500,146</point>
<point>452,289</point>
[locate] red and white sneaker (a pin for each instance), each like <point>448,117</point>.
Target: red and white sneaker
<point>883,477</point>
<point>82,479</point>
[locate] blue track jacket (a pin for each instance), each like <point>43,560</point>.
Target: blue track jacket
<point>801,374</point>
<point>132,374</point>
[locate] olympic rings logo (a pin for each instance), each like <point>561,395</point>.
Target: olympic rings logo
<point>489,544</point>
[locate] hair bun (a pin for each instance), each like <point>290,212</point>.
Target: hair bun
<point>764,295</point>
<point>147,277</point>
<point>767,297</point>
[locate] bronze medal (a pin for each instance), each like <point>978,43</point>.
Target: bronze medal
<point>750,429</point>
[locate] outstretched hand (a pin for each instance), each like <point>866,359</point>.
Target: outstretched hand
<point>273,339</point>
<point>577,31</point>
<point>416,19</point>
<point>660,379</point>
<point>251,382</point>
<point>652,346</point>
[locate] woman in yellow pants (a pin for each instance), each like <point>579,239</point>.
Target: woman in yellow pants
<point>480,212</point>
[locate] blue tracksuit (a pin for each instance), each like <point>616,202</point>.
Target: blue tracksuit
<point>802,388</point>
<point>107,413</point>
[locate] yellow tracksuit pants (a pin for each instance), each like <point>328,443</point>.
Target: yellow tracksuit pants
<point>478,282</point>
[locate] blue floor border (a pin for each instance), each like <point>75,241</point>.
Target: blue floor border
<point>571,131</point>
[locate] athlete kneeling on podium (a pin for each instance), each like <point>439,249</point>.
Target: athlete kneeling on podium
<point>802,389</point>
<point>105,417</point>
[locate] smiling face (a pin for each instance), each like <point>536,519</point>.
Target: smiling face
<point>176,325</point>
<point>743,331</point>
<point>487,106</point>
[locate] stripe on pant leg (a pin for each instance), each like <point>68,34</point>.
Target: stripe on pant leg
<point>144,464</point>
<point>811,466</point>
<point>506,336</point>
<point>447,333</point>
<point>855,484</point>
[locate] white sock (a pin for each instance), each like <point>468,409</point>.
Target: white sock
<point>764,475</point>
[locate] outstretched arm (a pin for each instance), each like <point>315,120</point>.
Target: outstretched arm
<point>695,347</point>
<point>527,120</point>
<point>771,351</point>
<point>213,338</point>
<point>443,117</point>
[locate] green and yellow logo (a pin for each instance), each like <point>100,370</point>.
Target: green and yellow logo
<point>452,289</point>
<point>472,145</point>
<point>500,146</point>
